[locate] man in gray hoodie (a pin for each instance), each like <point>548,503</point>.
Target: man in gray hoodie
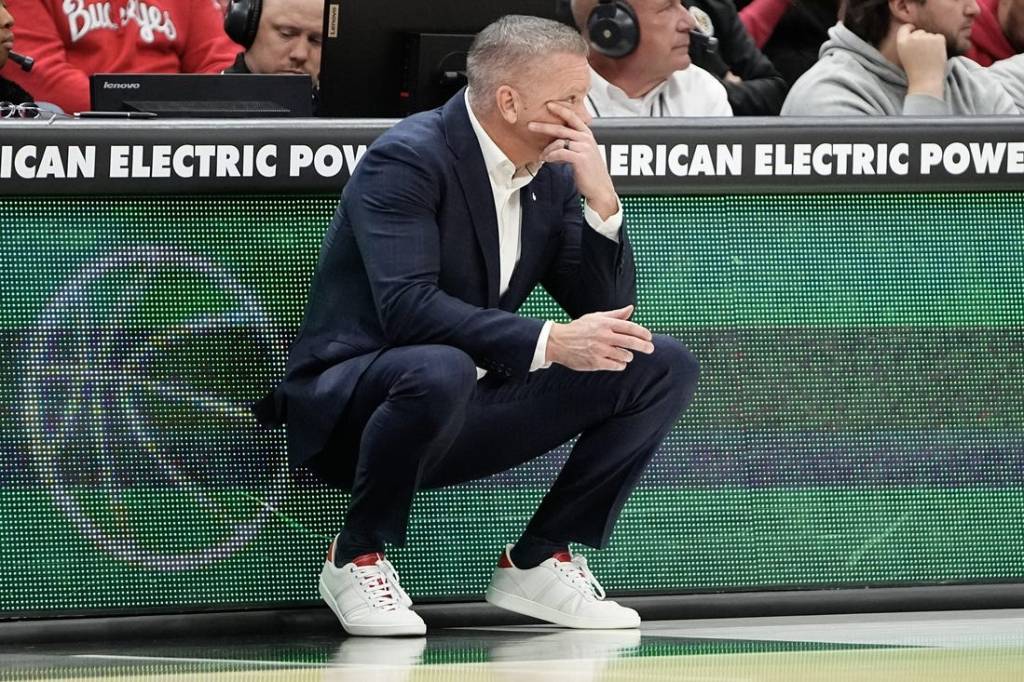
<point>898,57</point>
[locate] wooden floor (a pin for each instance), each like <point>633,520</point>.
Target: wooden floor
<point>962,646</point>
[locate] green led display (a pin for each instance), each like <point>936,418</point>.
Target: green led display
<point>858,420</point>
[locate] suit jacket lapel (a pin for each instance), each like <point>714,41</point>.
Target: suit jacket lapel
<point>476,187</point>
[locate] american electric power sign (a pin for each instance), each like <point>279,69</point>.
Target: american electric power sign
<point>826,159</point>
<point>692,156</point>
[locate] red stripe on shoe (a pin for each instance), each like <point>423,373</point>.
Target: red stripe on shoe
<point>505,562</point>
<point>330,551</point>
<point>562,556</point>
<point>368,559</point>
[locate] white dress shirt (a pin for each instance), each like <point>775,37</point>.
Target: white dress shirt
<point>690,92</point>
<point>506,183</point>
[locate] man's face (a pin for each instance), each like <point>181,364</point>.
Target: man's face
<point>288,39</point>
<point>563,78</point>
<point>1011,18</point>
<point>664,47</point>
<point>950,18</point>
<point>6,33</point>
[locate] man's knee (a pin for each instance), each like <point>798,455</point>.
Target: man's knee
<point>444,375</point>
<point>672,364</point>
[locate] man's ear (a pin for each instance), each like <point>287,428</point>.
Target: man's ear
<point>901,10</point>
<point>507,101</point>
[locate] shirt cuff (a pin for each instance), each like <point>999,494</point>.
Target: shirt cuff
<point>541,351</point>
<point>606,228</point>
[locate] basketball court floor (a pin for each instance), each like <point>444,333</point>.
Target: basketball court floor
<point>953,646</point>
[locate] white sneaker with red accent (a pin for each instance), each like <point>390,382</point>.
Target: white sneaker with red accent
<point>366,597</point>
<point>561,590</point>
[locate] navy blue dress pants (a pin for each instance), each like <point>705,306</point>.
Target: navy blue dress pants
<point>419,419</point>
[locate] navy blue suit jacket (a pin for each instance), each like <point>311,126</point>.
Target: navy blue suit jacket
<point>411,257</point>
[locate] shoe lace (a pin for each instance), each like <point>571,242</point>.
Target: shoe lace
<point>380,582</point>
<point>579,576</point>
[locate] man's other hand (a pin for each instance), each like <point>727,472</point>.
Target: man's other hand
<point>602,340</point>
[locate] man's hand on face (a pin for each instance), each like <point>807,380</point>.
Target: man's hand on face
<point>603,340</point>
<point>923,56</point>
<point>575,144</point>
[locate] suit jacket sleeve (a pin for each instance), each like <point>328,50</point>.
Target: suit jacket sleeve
<point>590,272</point>
<point>393,209</point>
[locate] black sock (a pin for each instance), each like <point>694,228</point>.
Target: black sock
<point>531,550</point>
<point>352,544</point>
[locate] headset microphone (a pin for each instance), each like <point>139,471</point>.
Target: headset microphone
<point>705,43</point>
<point>21,60</point>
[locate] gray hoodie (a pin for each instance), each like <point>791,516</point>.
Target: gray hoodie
<point>852,78</point>
<point>1010,74</point>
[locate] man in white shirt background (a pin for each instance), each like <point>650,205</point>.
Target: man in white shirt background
<point>640,60</point>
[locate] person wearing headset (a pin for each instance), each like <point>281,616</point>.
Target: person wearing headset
<point>10,92</point>
<point>279,36</point>
<point>640,60</point>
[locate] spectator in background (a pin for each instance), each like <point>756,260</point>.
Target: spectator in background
<point>789,32</point>
<point>752,83</point>
<point>895,57</point>
<point>647,72</point>
<point>72,39</point>
<point>998,31</point>
<point>9,91</point>
<point>279,36</point>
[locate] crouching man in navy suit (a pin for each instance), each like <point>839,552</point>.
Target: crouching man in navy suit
<point>413,370</point>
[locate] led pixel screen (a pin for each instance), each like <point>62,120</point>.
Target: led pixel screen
<point>858,420</point>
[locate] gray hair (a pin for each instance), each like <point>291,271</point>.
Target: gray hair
<point>508,46</point>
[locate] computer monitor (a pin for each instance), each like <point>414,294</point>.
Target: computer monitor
<point>180,95</point>
<point>390,59</point>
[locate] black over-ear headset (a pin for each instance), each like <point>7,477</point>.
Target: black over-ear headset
<point>613,29</point>
<point>242,21</point>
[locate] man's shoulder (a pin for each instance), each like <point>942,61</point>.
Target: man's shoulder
<point>693,77</point>
<point>424,129</point>
<point>838,83</point>
<point>239,65</point>
<point>840,68</point>
<point>421,135</point>
<point>984,89</point>
<point>698,90</point>
<point>1013,66</point>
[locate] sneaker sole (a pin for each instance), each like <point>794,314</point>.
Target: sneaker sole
<point>526,607</point>
<point>405,629</point>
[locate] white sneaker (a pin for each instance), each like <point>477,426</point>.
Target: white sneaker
<point>366,597</point>
<point>561,590</point>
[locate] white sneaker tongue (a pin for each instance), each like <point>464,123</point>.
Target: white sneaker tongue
<point>368,559</point>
